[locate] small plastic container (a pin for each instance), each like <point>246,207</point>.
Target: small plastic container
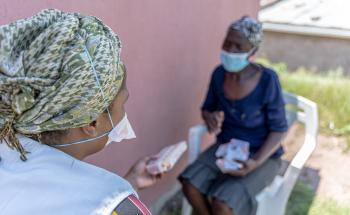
<point>226,166</point>
<point>229,153</point>
<point>166,158</point>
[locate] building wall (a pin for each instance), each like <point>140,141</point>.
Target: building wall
<point>170,49</point>
<point>312,52</point>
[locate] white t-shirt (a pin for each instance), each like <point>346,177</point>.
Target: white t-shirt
<point>52,182</point>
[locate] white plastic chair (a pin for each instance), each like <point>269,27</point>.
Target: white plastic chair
<point>273,199</point>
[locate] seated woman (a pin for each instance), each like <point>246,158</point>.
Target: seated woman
<point>245,102</point>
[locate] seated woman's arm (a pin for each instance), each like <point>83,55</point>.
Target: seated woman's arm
<point>271,145</point>
<point>213,120</point>
<point>211,115</point>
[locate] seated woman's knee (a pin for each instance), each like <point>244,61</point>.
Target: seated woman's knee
<point>188,188</point>
<point>220,207</point>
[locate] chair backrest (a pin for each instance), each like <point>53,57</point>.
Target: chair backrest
<point>302,110</point>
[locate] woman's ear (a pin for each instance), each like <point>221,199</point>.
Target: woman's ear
<point>90,129</point>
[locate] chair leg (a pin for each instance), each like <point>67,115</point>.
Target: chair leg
<point>186,207</point>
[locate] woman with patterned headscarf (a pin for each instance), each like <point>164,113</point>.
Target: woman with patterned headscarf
<point>244,103</point>
<point>62,95</point>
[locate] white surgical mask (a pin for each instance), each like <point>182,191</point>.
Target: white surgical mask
<point>122,131</point>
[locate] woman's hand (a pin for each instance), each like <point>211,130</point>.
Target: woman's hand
<point>213,120</point>
<point>248,166</point>
<point>139,177</point>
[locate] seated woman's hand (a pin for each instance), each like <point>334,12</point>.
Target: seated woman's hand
<point>138,175</point>
<point>248,166</point>
<point>213,120</point>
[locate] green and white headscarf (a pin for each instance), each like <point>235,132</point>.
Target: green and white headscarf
<point>47,81</point>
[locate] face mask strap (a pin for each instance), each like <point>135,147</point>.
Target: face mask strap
<point>81,141</point>
<point>252,51</point>
<point>98,82</point>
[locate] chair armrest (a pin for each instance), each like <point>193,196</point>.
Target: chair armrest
<point>195,136</point>
<point>305,152</point>
<point>271,190</point>
<point>311,129</point>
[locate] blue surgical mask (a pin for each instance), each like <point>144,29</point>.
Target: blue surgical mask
<point>234,62</point>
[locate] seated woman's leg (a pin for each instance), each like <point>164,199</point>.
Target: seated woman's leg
<point>219,207</point>
<point>198,200</point>
<point>198,178</point>
<point>236,195</point>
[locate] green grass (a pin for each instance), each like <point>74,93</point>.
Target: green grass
<point>300,200</point>
<point>303,202</point>
<point>330,90</point>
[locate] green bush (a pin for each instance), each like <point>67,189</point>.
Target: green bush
<point>330,90</point>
